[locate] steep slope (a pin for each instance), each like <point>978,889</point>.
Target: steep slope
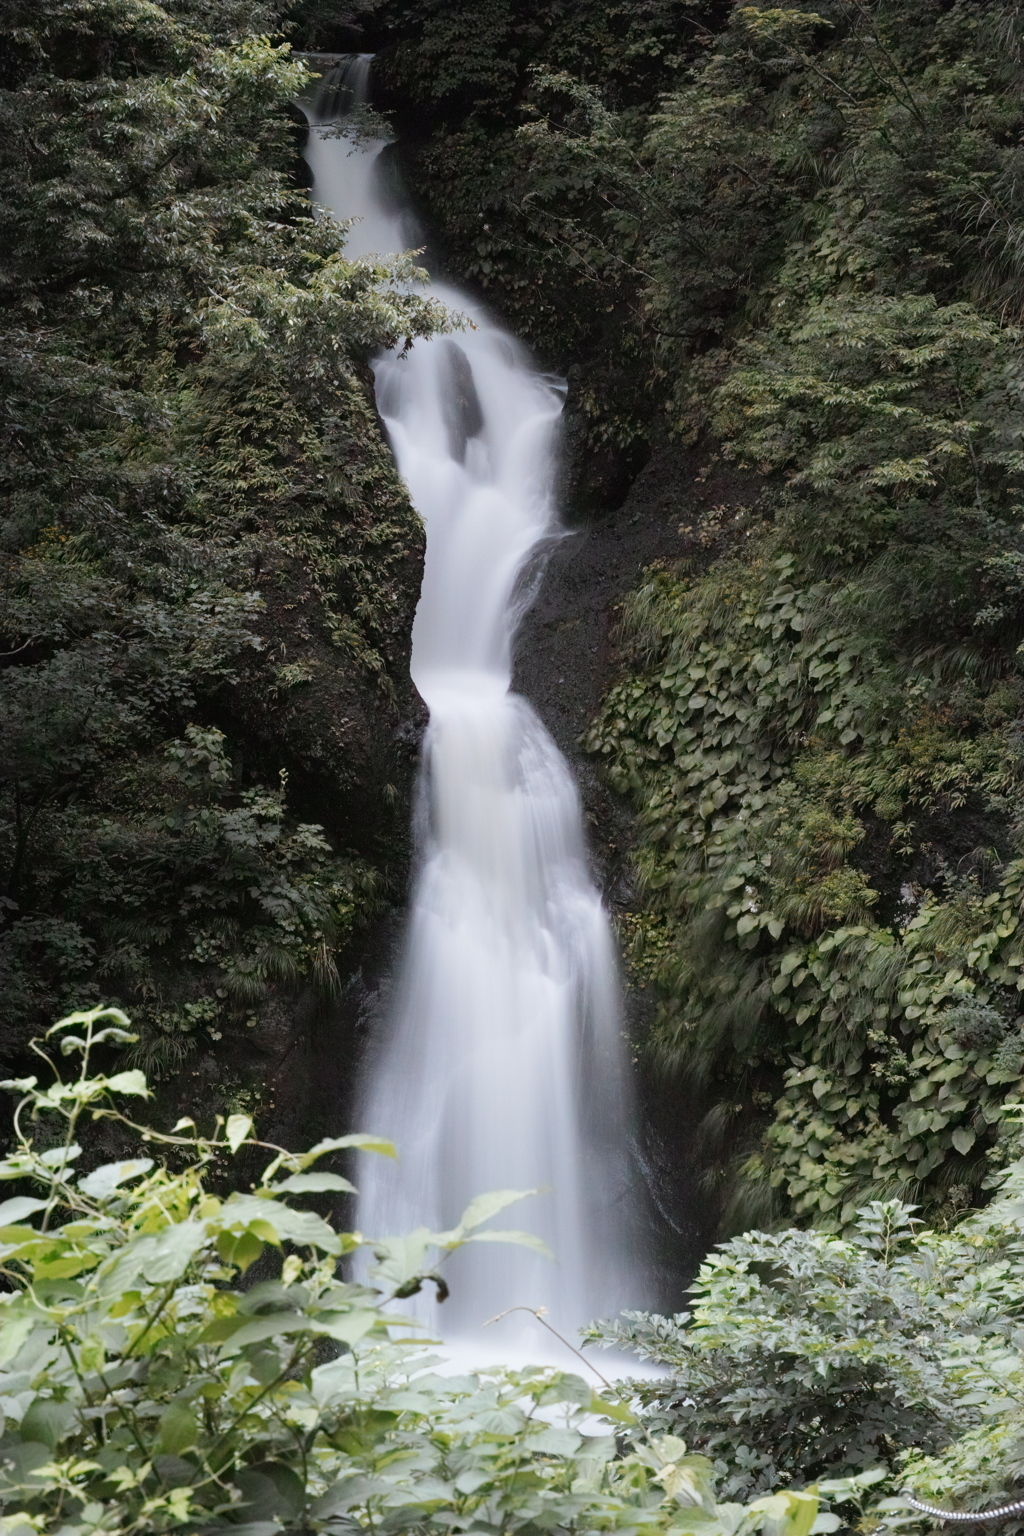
<point>210,565</point>
<point>790,240</point>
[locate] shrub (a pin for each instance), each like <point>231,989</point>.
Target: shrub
<point>148,1384</point>
<point>895,1347</point>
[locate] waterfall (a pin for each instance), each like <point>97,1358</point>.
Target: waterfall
<point>503,1063</point>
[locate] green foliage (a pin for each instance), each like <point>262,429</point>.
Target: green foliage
<point>821,731</point>
<point>806,1355</point>
<point>475,59</point>
<point>759,737</point>
<point>192,453</point>
<point>473,85</point>
<point>149,1386</point>
<point>215,879</point>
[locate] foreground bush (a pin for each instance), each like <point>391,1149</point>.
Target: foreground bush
<point>147,1386</point>
<point>807,1355</point>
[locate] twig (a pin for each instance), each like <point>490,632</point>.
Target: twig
<point>538,1313</point>
<point>32,640</point>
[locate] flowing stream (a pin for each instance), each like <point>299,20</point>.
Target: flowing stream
<point>503,1063</point>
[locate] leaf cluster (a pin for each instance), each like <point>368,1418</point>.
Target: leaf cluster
<point>895,1347</point>
<point>149,1386</point>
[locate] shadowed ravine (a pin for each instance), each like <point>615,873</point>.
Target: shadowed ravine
<point>503,1063</point>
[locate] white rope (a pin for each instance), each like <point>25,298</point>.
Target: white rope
<point>964,1517</point>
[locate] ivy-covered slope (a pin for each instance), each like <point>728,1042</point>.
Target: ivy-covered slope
<point>209,564</point>
<point>791,236</point>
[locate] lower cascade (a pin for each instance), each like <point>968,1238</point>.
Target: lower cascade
<point>503,1064</point>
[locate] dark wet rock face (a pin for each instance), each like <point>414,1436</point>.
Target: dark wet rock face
<point>565,650</point>
<point>308,1051</point>
<point>567,655</point>
<point>461,403</point>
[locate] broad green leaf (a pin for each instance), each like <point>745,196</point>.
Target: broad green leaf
<point>47,1421</point>
<point>617,1411</point>
<point>511,1235</point>
<point>358,1139</point>
<point>93,1016</point>
<point>92,1354</point>
<point>348,1327</point>
<point>802,1514</point>
<point>271,1327</point>
<point>553,1440</point>
<point>485,1206</point>
<point>160,1257</point>
<point>13,1211</point>
<point>313,1183</point>
<point>104,1180</point>
<point>243,1248</point>
<point>173,1250</point>
<point>222,1328</point>
<point>786,1514</point>
<point>237,1129</point>
<point>399,1259</point>
<point>179,1429</point>
<point>304,1228</point>
<point>271,1492</point>
<point>478,1211</point>
<point>666,1450</point>
<point>133,1082</point>
<point>17,1321</point>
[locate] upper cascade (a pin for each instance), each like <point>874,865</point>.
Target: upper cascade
<point>502,1065</point>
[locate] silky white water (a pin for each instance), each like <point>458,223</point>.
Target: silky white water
<point>502,1064</point>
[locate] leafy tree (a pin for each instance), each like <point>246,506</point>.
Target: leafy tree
<point>208,558</point>
<point>471,84</point>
